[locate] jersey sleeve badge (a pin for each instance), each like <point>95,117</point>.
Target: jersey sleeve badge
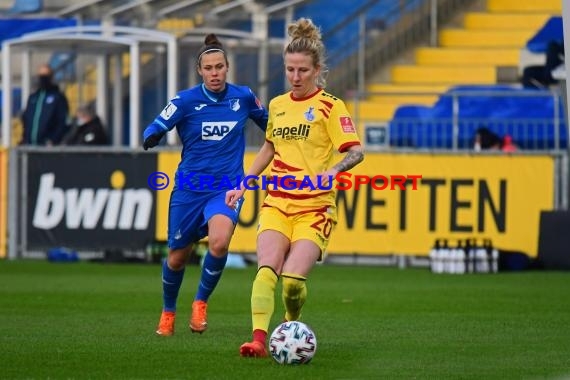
<point>347,125</point>
<point>168,111</point>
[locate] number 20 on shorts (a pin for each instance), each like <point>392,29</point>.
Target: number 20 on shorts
<point>324,224</point>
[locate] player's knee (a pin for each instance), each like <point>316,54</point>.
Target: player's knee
<point>176,263</point>
<point>218,246</point>
<point>293,287</point>
<point>177,259</point>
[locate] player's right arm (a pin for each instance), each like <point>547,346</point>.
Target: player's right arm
<point>261,161</point>
<point>167,119</point>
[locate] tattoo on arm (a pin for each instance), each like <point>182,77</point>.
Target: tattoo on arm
<point>352,158</point>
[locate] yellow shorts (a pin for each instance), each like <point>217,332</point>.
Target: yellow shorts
<point>315,226</point>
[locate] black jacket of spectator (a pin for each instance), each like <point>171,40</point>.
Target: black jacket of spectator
<point>90,133</point>
<point>45,116</point>
<point>541,76</point>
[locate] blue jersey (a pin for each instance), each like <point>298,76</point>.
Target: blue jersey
<point>211,127</point>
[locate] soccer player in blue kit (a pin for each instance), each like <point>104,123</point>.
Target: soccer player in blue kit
<point>210,119</point>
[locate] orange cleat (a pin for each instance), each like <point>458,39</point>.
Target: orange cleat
<point>253,349</point>
<point>166,324</point>
<point>199,318</point>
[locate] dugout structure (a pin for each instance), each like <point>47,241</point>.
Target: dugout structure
<point>104,42</point>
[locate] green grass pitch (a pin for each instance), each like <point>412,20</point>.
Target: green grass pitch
<point>97,321</point>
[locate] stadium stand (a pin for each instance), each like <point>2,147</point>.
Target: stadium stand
<point>469,61</point>
<point>465,57</point>
<point>473,54</point>
<point>533,118</point>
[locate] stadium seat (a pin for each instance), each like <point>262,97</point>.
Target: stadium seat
<point>415,74</point>
<point>484,51</point>
<point>484,38</point>
<point>342,37</point>
<point>505,20</point>
<point>17,26</point>
<point>551,6</point>
<point>550,31</point>
<point>534,118</point>
<point>26,6</point>
<point>465,56</point>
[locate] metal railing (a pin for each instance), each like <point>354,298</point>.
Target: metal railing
<point>535,120</point>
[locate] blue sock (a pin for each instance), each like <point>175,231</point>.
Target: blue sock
<point>171,281</point>
<point>211,273</point>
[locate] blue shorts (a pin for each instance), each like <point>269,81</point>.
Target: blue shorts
<point>189,212</point>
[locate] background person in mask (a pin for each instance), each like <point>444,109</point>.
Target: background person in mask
<point>87,130</point>
<point>45,116</point>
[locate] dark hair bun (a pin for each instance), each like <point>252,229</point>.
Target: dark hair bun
<point>212,40</point>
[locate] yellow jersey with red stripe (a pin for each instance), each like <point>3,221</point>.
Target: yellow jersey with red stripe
<point>305,132</point>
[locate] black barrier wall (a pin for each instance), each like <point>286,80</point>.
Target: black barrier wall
<point>89,201</point>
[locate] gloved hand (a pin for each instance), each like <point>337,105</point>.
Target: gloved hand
<point>151,141</point>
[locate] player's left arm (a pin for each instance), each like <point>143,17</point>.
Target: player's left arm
<point>342,133</point>
<point>172,113</point>
<point>353,157</point>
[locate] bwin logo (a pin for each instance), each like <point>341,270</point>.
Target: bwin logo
<point>125,209</point>
<point>217,130</point>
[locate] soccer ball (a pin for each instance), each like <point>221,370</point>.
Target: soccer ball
<point>293,343</point>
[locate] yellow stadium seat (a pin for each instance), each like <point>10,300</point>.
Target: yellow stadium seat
<point>428,56</point>
<point>505,21</point>
<point>425,99</point>
<point>552,6</point>
<point>484,38</point>
<point>407,88</point>
<point>444,75</point>
<point>372,111</point>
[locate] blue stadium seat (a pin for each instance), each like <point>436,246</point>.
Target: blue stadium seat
<point>551,31</point>
<point>341,39</point>
<point>16,101</point>
<point>26,6</point>
<point>16,27</point>
<point>529,116</point>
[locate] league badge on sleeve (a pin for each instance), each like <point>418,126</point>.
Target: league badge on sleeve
<point>168,111</point>
<point>347,125</point>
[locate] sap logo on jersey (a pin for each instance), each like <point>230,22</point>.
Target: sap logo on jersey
<point>115,208</point>
<point>217,130</point>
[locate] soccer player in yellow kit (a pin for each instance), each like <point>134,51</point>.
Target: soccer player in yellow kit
<point>305,126</point>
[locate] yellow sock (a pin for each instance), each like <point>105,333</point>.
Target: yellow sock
<point>263,298</point>
<point>294,295</point>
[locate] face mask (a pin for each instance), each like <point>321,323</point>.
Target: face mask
<point>81,121</point>
<point>44,81</point>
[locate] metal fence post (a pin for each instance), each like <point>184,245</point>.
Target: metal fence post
<point>564,181</point>
<point>433,23</point>
<point>13,202</point>
<point>455,120</point>
<point>361,53</point>
<point>556,102</point>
